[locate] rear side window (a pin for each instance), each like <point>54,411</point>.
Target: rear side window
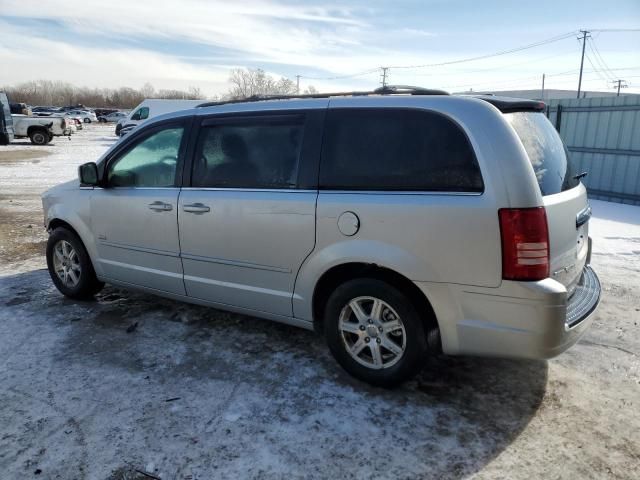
<point>250,155</point>
<point>396,149</point>
<point>546,151</point>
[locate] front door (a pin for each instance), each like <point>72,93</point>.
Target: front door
<point>248,221</point>
<point>134,218</point>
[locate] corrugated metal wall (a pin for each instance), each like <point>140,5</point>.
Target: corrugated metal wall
<point>603,136</point>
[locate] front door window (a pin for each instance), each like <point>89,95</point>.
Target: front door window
<point>150,163</point>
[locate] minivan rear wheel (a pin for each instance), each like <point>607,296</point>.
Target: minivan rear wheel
<point>375,332</point>
<point>70,266</point>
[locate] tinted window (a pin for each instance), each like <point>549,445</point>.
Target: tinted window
<point>259,155</point>
<point>150,163</point>
<point>393,149</point>
<point>547,153</point>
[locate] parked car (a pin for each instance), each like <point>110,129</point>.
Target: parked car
<point>78,106</point>
<point>150,108</point>
<point>41,109</point>
<point>85,116</point>
<point>40,130</point>
<point>6,121</point>
<point>101,112</point>
<point>397,225</point>
<point>113,117</point>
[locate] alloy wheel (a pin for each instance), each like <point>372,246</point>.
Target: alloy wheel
<point>372,332</point>
<point>66,263</point>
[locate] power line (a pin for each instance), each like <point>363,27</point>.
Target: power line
<point>482,57</point>
<point>615,30</point>
<point>493,69</point>
<point>452,62</point>
<point>597,71</point>
<point>489,55</point>
<point>593,47</point>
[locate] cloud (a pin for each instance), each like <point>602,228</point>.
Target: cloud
<point>417,32</point>
<point>191,42</point>
<point>35,58</point>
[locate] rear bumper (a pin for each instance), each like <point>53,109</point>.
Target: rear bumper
<point>517,319</point>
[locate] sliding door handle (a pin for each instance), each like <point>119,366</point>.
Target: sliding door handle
<point>159,206</point>
<point>196,208</point>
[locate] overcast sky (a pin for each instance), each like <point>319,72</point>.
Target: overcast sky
<point>186,43</point>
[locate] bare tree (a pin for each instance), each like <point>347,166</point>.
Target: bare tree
<point>249,82</point>
<point>147,90</point>
<point>310,90</point>
<point>46,92</point>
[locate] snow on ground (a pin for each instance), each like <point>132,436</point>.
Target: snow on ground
<point>195,393</point>
<point>59,162</point>
<point>616,229</point>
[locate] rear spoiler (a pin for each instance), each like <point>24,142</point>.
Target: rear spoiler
<point>510,105</point>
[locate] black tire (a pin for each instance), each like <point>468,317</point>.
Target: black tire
<point>39,137</point>
<point>412,359</point>
<point>88,284</point>
<point>86,120</point>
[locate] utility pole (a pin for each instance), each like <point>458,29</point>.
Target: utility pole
<point>619,84</point>
<point>542,96</point>
<point>585,34</point>
<point>298,84</point>
<point>384,76</point>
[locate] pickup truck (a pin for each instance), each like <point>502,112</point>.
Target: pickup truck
<point>40,130</point>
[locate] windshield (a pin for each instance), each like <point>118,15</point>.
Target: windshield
<point>547,153</point>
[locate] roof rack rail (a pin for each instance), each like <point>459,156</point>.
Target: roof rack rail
<point>386,90</point>
<point>408,90</point>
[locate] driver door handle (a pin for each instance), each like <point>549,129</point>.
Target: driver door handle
<point>159,206</point>
<point>196,208</point>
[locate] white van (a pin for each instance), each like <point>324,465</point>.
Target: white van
<point>152,107</point>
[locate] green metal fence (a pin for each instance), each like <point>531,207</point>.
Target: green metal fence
<point>603,136</point>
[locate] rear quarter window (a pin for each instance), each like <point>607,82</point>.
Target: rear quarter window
<point>396,149</point>
<point>547,153</point>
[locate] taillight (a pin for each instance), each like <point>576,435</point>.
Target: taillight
<point>525,243</point>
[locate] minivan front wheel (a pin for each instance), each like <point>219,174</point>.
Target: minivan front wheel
<point>374,332</point>
<point>70,266</point>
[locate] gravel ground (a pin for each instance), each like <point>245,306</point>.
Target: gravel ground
<point>134,387</point>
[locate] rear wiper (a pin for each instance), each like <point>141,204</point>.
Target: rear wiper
<point>580,175</point>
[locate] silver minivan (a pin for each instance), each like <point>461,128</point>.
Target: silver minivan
<point>397,223</point>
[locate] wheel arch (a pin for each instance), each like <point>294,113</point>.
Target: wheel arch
<point>35,128</point>
<point>342,273</point>
<point>57,223</point>
<point>79,229</point>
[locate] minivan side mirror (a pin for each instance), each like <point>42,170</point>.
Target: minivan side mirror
<point>88,174</point>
